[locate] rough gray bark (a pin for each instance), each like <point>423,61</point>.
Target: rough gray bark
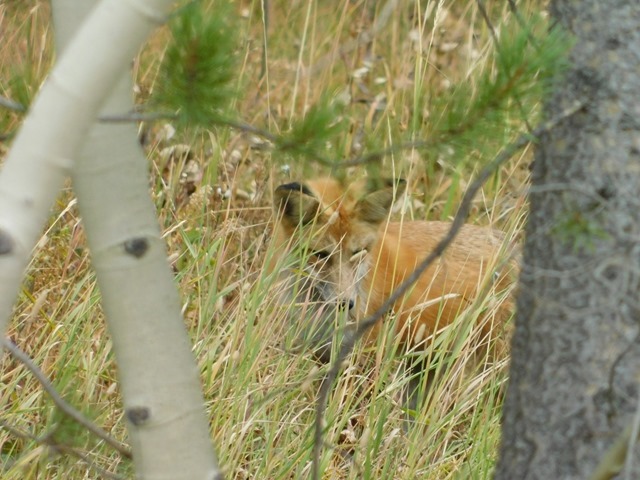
<point>575,371</point>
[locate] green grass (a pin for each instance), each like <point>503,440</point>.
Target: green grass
<point>261,395</point>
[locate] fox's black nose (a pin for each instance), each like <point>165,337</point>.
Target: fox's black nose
<point>348,304</point>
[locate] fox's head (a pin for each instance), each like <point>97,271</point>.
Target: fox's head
<point>333,228</point>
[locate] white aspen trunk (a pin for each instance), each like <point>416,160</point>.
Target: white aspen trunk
<point>169,436</point>
<point>164,408</point>
<point>58,121</point>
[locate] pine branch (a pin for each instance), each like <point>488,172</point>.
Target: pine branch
<point>498,48</point>
<point>475,111</point>
<point>197,73</point>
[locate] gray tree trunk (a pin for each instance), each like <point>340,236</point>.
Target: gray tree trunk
<point>575,371</point>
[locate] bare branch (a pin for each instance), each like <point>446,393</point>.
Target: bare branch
<point>154,116</point>
<point>60,402</point>
<point>363,38</point>
<point>377,155</point>
<point>82,456</point>
<point>12,104</point>
<point>347,345</point>
<point>277,140</point>
<point>136,117</point>
<point>47,440</point>
<point>248,128</point>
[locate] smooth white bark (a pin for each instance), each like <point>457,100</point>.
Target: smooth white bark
<point>42,153</point>
<point>164,407</point>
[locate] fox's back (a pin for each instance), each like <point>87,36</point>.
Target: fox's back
<point>451,283</point>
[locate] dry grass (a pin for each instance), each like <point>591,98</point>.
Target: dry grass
<point>260,396</point>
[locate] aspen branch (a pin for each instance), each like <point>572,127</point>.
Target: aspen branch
<point>47,440</point>
<point>458,221</point>
<point>83,457</point>
<point>377,155</point>
<point>130,117</point>
<point>64,406</point>
<point>11,104</point>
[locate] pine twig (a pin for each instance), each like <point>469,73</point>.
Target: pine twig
<point>456,224</point>
<point>496,42</point>
<point>60,402</point>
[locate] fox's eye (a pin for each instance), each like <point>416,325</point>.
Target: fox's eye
<point>321,254</point>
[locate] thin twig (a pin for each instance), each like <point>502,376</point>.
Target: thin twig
<point>12,104</point>
<point>136,117</point>
<point>82,456</point>
<point>48,440</point>
<point>278,141</point>
<point>362,39</point>
<point>456,224</point>
<point>248,128</point>
<point>154,116</point>
<point>60,402</point>
<point>377,155</point>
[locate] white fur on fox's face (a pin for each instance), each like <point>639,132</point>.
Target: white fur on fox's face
<point>334,277</point>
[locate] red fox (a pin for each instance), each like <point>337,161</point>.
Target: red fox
<point>353,258</point>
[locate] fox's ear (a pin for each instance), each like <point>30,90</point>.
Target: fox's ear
<point>296,204</point>
<point>374,207</point>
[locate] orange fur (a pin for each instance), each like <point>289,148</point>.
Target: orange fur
<point>360,257</point>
